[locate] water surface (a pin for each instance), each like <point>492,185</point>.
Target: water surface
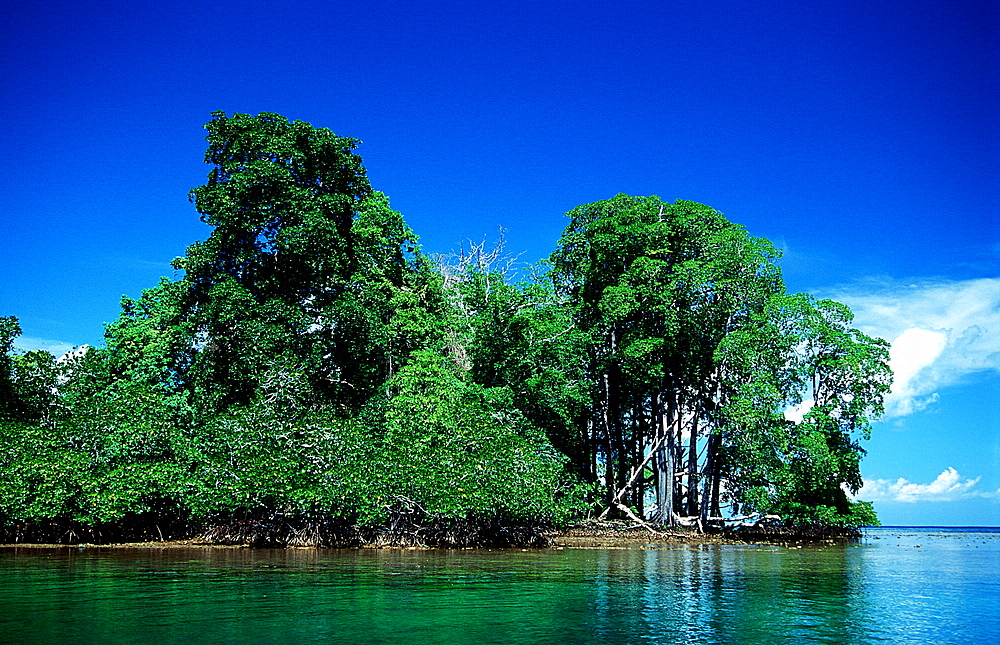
<point>896,586</point>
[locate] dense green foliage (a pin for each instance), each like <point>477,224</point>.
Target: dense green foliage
<point>313,368</point>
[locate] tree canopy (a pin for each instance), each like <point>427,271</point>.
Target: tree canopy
<point>314,377</point>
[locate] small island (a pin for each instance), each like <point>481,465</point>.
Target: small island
<point>311,377</point>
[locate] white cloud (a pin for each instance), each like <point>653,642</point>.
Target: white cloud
<point>941,332</point>
<point>54,347</point>
<point>796,412</point>
<point>911,352</point>
<point>948,487</point>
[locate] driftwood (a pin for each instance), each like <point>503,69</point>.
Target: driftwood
<point>633,476</point>
<point>618,525</point>
<point>756,517</point>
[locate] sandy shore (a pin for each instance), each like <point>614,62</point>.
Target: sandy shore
<point>588,537</point>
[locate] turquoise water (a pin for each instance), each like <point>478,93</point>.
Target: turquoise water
<point>896,586</point>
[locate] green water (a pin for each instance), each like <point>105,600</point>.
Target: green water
<point>886,589</point>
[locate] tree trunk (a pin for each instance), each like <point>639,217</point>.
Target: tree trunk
<point>716,482</point>
<point>664,463</point>
<point>606,422</point>
<point>692,467</point>
<point>636,458</point>
<point>709,475</point>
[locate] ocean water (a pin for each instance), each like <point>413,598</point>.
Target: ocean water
<point>898,585</point>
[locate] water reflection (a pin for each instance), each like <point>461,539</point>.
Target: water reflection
<point>729,595</point>
<point>889,591</point>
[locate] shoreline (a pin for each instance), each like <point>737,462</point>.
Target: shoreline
<point>576,537</point>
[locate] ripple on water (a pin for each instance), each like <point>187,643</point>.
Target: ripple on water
<point>882,589</point>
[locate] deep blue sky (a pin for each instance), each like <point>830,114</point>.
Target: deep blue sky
<point>861,137</point>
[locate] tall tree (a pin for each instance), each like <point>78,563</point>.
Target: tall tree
<point>282,199</point>
<point>10,403</point>
<point>307,271</point>
<point>689,388</point>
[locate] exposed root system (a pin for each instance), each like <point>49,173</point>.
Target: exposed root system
<point>408,525</point>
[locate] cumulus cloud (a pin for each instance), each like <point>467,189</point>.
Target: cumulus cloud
<point>941,332</point>
<point>54,347</point>
<point>948,487</point>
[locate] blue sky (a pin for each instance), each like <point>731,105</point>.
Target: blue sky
<point>862,138</point>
